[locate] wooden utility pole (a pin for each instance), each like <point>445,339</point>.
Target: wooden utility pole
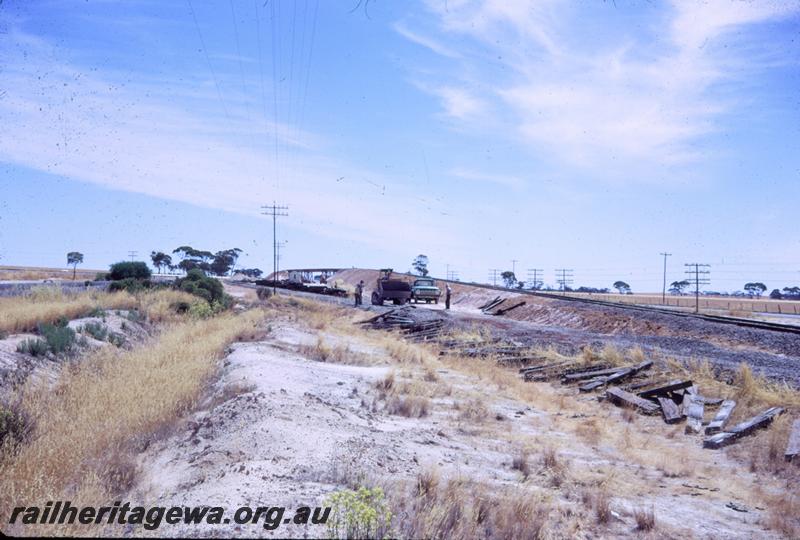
<point>533,277</point>
<point>564,278</point>
<point>493,275</point>
<point>664,286</point>
<point>699,279</point>
<point>275,211</point>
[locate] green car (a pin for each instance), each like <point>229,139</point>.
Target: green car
<point>425,289</point>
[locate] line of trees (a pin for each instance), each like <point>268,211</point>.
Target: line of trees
<point>221,263</point>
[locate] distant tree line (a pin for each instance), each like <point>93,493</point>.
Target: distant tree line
<point>221,263</point>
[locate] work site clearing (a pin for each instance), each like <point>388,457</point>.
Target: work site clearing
<point>504,417</point>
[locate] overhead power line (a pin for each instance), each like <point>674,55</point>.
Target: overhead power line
<point>564,278</point>
<point>275,211</point>
<point>700,278</point>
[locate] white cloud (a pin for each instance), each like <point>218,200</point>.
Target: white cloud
<point>426,42</point>
<point>458,103</point>
<point>624,106</point>
<point>87,126</point>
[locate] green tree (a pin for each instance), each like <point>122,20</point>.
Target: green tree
<point>129,269</point>
<point>194,258</point>
<point>160,260</point>
<point>224,261</point>
<point>74,258</point>
<point>757,288</point>
<point>420,264</point>
<point>197,283</point>
<point>678,287</point>
<point>250,272</point>
<point>509,278</point>
<point>622,287</point>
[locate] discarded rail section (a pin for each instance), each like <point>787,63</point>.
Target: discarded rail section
<point>632,386</point>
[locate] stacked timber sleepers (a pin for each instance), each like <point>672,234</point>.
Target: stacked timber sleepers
<point>494,307</point>
<point>411,328</point>
<point>676,400</point>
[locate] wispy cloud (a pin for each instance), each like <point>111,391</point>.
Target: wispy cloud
<point>89,126</point>
<point>424,41</point>
<point>625,103</point>
<point>457,102</point>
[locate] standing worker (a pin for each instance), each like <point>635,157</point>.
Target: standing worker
<point>359,292</point>
<point>447,292</point>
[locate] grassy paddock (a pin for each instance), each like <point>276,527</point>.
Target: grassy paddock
<point>87,430</point>
<point>48,304</point>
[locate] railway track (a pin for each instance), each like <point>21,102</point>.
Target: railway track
<point>745,323</point>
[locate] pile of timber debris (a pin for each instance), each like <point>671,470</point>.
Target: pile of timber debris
<point>677,400</point>
<point>407,321</point>
<point>499,307</point>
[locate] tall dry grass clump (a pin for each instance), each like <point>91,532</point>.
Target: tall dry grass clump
<point>456,508</point>
<point>160,305</point>
<point>88,428</point>
<point>753,388</point>
<point>48,304</point>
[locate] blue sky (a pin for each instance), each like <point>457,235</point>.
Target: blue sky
<point>583,135</point>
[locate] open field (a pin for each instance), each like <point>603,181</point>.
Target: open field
<point>35,273</point>
<point>715,303</point>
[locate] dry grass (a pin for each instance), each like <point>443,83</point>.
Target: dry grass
<point>159,306</point>
<point>408,406</point>
<point>601,503</point>
<point>32,274</point>
<point>521,462</point>
<point>645,519</point>
<point>102,411</point>
<point>407,353</point>
<point>48,304</point>
<point>337,354</point>
<point>473,410</point>
<point>457,508</point>
<point>405,398</point>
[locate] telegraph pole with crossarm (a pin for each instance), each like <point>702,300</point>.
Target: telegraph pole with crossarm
<point>275,211</point>
<point>700,278</point>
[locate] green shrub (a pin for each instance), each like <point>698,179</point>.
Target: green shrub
<point>132,285</point>
<point>59,338</point>
<point>200,310</point>
<point>118,340</point>
<point>97,312</point>
<point>129,269</point>
<point>198,284</point>
<point>33,347</point>
<point>101,276</point>
<point>134,316</point>
<point>95,329</point>
<point>359,514</point>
